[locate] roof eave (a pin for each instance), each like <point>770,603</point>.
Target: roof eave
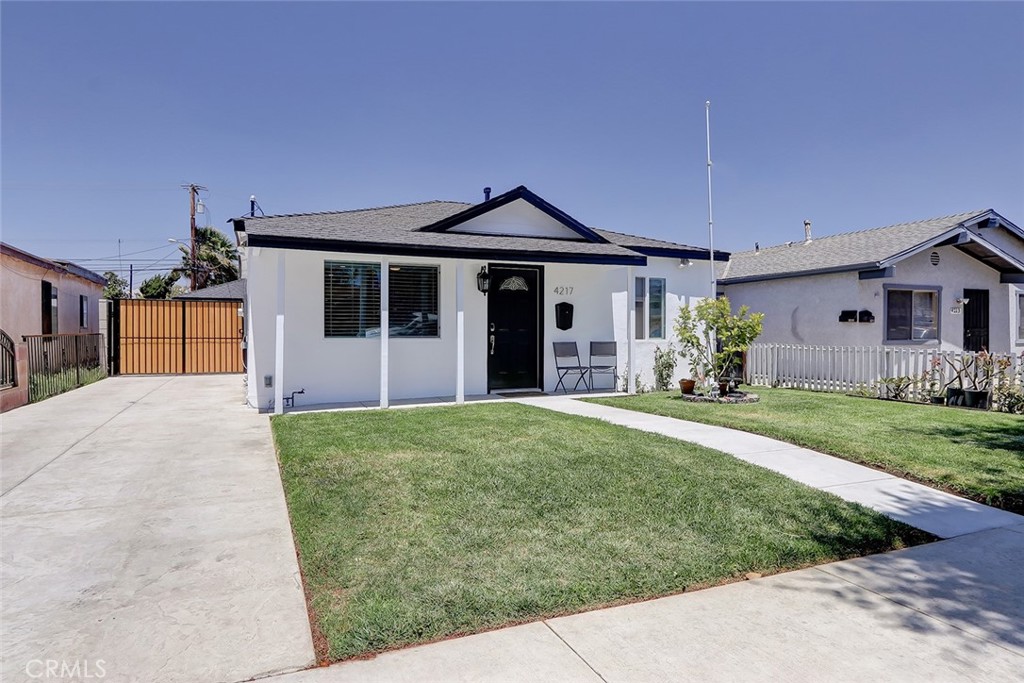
<point>802,273</point>
<point>443,251</point>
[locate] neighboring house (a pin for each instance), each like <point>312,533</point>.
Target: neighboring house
<point>43,296</point>
<point>955,283</point>
<point>386,303</point>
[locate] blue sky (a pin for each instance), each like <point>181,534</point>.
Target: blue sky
<point>850,115</point>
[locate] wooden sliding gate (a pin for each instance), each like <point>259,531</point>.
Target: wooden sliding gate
<point>155,337</point>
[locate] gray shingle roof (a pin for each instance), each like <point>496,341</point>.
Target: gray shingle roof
<point>846,251</point>
<point>228,290</point>
<point>400,226</point>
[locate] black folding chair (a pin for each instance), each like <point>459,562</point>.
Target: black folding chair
<point>604,360</point>
<point>567,362</point>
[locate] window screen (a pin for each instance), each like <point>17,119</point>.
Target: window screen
<point>639,300</point>
<point>412,301</point>
<point>351,299</point>
<point>656,308</point>
<point>912,315</point>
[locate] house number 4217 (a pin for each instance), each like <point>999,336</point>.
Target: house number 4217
<point>562,290</point>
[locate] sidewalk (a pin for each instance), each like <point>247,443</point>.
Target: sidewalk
<point>942,514</point>
<point>947,611</point>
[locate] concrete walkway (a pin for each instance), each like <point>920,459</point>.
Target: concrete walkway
<point>948,611</point>
<point>144,525</point>
<point>940,513</point>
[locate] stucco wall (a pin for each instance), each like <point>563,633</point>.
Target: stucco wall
<point>341,370</point>
<point>805,310</point>
<point>21,298</point>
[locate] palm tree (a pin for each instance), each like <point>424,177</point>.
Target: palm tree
<point>216,259</point>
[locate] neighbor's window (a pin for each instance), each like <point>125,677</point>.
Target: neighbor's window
<point>656,308</point>
<point>639,306</point>
<point>912,314</point>
<point>412,301</point>
<point>351,299</point>
<point>1020,317</point>
<point>49,311</point>
<point>83,310</point>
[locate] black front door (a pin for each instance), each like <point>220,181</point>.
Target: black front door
<point>976,319</point>
<point>514,327</point>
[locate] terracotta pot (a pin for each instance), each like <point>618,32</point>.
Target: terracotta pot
<point>687,385</point>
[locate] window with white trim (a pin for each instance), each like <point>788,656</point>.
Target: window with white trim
<point>351,299</point>
<point>911,315</point>
<point>649,308</point>
<point>1020,316</point>
<point>413,300</point>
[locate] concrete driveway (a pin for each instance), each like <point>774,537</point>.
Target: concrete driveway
<point>145,537</point>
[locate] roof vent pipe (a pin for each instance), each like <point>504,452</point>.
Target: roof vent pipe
<point>807,231</point>
<point>487,193</point>
<point>252,206</point>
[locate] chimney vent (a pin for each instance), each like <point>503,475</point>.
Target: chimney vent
<point>487,193</point>
<point>807,231</point>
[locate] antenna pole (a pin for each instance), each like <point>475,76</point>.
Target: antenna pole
<point>711,222</point>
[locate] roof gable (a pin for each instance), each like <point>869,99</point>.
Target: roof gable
<point>517,213</point>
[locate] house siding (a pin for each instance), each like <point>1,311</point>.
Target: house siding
<point>805,310</point>
<point>21,299</point>
<point>337,370</point>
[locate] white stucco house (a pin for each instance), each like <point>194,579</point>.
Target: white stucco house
<point>952,283</point>
<point>449,299</point>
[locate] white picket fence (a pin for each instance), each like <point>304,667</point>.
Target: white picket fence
<point>849,368</point>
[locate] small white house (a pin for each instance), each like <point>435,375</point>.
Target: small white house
<point>448,299</point>
<point>953,283</point>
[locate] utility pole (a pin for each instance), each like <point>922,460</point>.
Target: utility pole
<point>193,192</point>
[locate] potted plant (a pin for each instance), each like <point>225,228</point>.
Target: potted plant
<point>979,394</point>
<point>664,367</point>
<point>711,337</point>
<point>931,379</point>
<point>955,394</point>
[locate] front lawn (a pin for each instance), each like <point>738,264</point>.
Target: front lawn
<point>413,525</point>
<point>977,454</point>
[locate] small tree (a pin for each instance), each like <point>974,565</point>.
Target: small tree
<point>116,287</point>
<point>215,259</point>
<point>158,286</point>
<point>711,336</point>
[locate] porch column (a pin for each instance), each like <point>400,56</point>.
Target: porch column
<point>279,339</point>
<point>460,332</point>
<point>385,278</point>
<point>630,331</point>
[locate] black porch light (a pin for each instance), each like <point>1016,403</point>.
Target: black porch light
<point>483,280</point>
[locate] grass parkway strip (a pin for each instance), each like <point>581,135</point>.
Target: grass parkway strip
<point>416,525</point>
<point>975,454</point>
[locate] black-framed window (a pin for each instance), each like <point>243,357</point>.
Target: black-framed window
<point>911,314</point>
<point>83,310</point>
<point>413,293</point>
<point>649,308</point>
<point>656,308</point>
<point>49,309</point>
<point>351,299</point>
<point>640,307</point>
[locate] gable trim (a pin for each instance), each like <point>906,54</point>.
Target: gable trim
<point>441,251</point>
<point>530,198</point>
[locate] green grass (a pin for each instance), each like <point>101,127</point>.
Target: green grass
<point>43,385</point>
<point>977,454</point>
<point>413,525</point>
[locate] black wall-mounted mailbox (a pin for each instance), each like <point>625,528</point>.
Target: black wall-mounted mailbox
<point>847,316</point>
<point>866,317</point>
<point>563,315</point>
